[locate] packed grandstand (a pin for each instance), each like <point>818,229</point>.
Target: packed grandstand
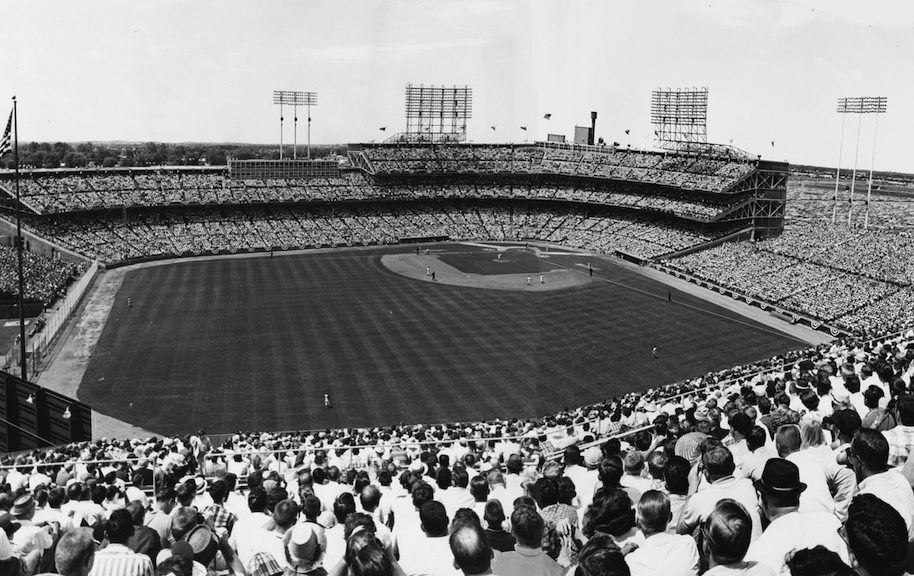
<point>812,435</point>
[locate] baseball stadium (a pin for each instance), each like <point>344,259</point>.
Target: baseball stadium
<point>427,280</point>
<point>426,298</point>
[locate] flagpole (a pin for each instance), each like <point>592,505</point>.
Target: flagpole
<point>19,243</point>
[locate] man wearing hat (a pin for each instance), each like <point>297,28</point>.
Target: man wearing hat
<point>306,545</point>
<point>780,489</point>
<point>28,537</point>
<point>513,479</point>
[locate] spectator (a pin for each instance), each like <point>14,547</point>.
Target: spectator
<point>868,455</point>
<point>726,535</point>
<point>471,551</point>
<point>528,558</point>
<point>75,554</point>
<point>718,467</point>
<point>661,553</point>
<point>818,561</point>
<point>494,518</point>
<point>306,547</point>
<point>431,555</point>
<point>601,556</point>
<point>876,537</point>
<point>788,528</point>
<point>901,437</point>
<point>117,559</point>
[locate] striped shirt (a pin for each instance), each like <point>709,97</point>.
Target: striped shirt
<point>118,560</point>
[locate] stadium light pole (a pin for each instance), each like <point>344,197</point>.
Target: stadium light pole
<point>880,103</point>
<point>294,99</point>
<point>860,105</point>
<point>850,207</point>
<point>834,213</point>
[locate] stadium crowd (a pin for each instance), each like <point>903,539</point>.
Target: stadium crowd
<point>112,237</point>
<point>680,171</point>
<point>52,193</point>
<point>801,468</point>
<point>813,204</point>
<point>44,278</point>
<point>861,281</point>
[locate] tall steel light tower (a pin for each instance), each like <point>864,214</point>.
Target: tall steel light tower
<point>294,99</point>
<point>858,105</point>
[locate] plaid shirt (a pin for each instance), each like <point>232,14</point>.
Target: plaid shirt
<point>223,521</point>
<point>901,441</point>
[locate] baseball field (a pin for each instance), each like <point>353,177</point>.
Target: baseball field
<point>254,343</point>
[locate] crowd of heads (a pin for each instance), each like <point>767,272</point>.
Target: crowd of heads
<point>857,281</point>
<point>732,475</point>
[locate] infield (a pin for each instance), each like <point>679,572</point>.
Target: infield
<point>253,343</point>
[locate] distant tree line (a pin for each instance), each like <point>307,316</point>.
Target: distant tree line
<point>131,154</point>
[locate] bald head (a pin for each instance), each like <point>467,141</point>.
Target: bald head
<point>471,549</point>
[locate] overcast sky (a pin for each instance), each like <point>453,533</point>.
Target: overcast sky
<point>204,71</point>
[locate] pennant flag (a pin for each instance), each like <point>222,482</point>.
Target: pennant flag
<point>493,127</point>
<point>772,142</point>
<point>626,131</point>
<point>383,128</point>
<point>524,128</point>
<point>5,140</point>
<point>547,116</point>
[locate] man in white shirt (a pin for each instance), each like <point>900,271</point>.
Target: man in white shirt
<point>661,553</point>
<point>789,529</point>
<point>717,466</point>
<point>869,455</point>
<point>457,496</point>
<point>754,463</point>
<point>819,471</point>
<point>431,554</point>
<point>29,537</point>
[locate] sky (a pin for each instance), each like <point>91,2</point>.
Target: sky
<point>205,70</point>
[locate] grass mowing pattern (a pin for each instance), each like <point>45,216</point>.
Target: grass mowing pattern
<point>253,344</point>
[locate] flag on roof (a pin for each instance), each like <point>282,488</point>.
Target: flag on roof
<point>5,140</point>
<point>547,116</point>
<point>524,128</point>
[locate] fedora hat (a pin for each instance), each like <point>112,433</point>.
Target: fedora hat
<point>780,477</point>
<point>515,463</point>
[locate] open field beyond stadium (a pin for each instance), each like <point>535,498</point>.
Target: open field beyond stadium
<point>254,343</point>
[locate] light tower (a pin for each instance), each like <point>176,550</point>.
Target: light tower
<point>294,99</point>
<point>859,105</point>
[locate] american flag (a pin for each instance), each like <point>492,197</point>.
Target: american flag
<point>5,141</point>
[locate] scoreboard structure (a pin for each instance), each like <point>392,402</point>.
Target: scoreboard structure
<point>680,119</point>
<point>436,114</point>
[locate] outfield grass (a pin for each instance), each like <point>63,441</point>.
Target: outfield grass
<point>253,344</point>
